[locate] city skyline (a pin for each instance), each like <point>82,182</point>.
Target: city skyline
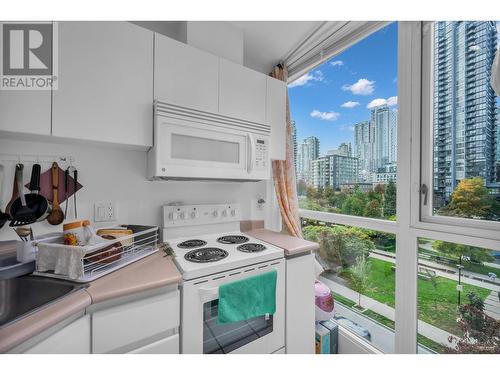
<point>329,100</point>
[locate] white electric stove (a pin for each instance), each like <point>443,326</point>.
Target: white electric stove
<point>210,251</point>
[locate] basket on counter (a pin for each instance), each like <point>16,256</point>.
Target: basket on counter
<point>87,263</point>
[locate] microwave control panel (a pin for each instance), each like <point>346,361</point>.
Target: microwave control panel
<point>261,153</point>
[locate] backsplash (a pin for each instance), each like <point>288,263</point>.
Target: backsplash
<point>119,175</point>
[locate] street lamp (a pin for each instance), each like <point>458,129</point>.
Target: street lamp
<point>460,267</point>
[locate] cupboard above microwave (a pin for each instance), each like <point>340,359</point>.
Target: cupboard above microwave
<point>190,144</point>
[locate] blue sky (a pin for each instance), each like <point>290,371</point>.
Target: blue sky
<point>329,100</point>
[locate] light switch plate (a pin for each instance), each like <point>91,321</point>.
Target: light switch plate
<point>104,211</point>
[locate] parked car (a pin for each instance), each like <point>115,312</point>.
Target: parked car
<point>354,327</point>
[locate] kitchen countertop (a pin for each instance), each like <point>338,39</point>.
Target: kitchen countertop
<point>292,246</point>
<point>151,272</point>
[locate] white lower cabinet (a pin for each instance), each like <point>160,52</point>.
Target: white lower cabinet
<point>72,339</point>
<point>169,345</point>
<point>300,312</point>
<point>123,328</point>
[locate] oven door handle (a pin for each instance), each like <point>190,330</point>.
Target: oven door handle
<point>208,294</point>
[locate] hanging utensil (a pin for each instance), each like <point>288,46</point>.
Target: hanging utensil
<point>15,195</point>
<point>34,200</point>
<point>23,233</point>
<point>75,186</point>
<point>3,216</point>
<point>21,214</point>
<point>56,216</point>
<point>66,189</point>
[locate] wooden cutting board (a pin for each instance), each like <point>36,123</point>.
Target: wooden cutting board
<point>46,186</point>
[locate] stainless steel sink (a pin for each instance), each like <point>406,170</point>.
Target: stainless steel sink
<point>24,295</point>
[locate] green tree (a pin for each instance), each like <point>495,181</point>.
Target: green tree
<point>480,331</point>
<point>354,204</point>
<point>359,273</point>
<point>476,254</point>
<point>319,193</point>
<point>390,200</point>
<point>311,192</point>
<point>470,199</point>
<point>372,209</point>
<point>328,193</point>
<point>339,246</point>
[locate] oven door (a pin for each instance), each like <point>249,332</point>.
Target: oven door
<point>201,332</point>
<point>192,150</point>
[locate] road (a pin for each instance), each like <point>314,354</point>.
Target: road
<point>381,337</point>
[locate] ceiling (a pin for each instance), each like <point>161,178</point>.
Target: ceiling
<point>266,43</point>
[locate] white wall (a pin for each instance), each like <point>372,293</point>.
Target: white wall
<point>118,175</point>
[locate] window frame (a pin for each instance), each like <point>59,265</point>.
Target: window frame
<point>413,93</point>
<point>423,163</point>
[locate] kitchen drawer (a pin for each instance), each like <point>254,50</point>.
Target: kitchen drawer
<point>122,325</point>
<point>169,345</point>
<point>72,339</point>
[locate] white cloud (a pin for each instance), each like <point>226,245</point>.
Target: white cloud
<point>362,87</point>
<point>337,63</point>
<point>316,76</point>
<point>392,101</point>
<point>350,104</point>
<point>328,116</point>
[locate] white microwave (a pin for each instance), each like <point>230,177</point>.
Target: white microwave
<point>191,144</point>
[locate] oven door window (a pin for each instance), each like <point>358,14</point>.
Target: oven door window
<point>224,338</point>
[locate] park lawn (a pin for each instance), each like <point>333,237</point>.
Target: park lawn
<point>422,340</point>
<point>436,306</point>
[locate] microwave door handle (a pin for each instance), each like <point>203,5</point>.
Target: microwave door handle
<point>208,294</point>
<point>251,148</point>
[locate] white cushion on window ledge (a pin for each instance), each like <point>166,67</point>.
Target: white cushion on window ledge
<point>495,73</point>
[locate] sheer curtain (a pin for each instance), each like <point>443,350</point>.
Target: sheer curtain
<point>284,172</point>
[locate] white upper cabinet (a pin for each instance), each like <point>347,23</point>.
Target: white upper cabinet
<point>105,83</point>
<point>276,117</point>
<point>242,92</point>
<point>25,111</point>
<point>186,76</point>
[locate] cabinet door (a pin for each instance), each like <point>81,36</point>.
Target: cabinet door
<point>242,92</point>
<point>276,117</point>
<point>185,76</point>
<point>72,339</point>
<point>118,327</point>
<point>105,83</point>
<point>300,305</point>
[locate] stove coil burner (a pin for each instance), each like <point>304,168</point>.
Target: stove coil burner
<point>206,255</point>
<point>232,239</point>
<point>189,244</point>
<point>251,247</point>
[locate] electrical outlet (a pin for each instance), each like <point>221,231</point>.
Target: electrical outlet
<point>104,211</point>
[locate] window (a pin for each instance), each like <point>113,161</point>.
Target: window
<point>458,297</point>
<point>345,130</point>
<point>360,270</point>
<point>461,132</point>
<point>409,302</point>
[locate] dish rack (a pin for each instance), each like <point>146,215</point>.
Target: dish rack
<point>86,263</point>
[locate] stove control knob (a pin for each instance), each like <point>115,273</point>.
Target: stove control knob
<point>233,212</point>
<point>215,213</point>
<point>195,215</point>
<point>182,215</point>
<point>224,213</point>
<point>172,216</point>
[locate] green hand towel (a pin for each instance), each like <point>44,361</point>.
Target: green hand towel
<point>247,298</point>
